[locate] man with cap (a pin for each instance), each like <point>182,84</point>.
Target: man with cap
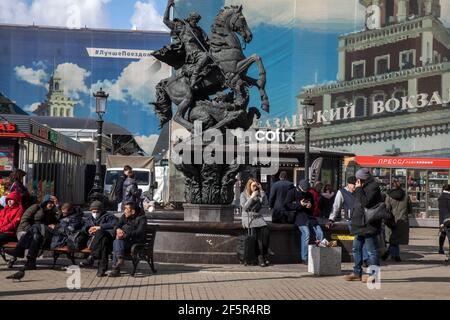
<point>367,195</point>
<point>99,227</point>
<point>301,201</point>
<point>342,209</point>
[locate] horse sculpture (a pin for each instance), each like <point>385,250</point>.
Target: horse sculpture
<point>228,69</point>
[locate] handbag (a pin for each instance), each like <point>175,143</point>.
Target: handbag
<point>375,214</point>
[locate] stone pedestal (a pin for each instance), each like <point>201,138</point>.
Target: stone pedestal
<point>208,213</point>
<point>324,261</point>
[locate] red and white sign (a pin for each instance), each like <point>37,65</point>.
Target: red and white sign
<point>8,127</point>
<point>402,162</point>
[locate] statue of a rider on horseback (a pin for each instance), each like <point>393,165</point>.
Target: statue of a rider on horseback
<point>210,86</point>
<point>205,67</point>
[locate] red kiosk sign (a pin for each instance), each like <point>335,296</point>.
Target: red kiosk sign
<point>402,162</point>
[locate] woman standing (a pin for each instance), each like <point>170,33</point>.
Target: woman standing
<point>15,180</point>
<point>399,203</point>
<point>252,200</point>
<point>444,217</point>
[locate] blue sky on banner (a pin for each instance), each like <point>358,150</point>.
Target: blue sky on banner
<point>297,39</point>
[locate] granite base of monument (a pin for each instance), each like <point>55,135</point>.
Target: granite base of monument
<point>208,213</point>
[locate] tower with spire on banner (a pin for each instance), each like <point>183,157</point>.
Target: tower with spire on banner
<point>56,103</point>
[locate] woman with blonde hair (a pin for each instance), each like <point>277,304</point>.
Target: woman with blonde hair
<point>252,200</point>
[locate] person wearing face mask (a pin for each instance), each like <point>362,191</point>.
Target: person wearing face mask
<point>10,217</point>
<point>99,227</point>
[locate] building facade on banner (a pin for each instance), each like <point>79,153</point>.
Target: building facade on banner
<point>392,97</point>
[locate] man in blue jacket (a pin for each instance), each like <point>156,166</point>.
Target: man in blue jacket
<point>99,226</point>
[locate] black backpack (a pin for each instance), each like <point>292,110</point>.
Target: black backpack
<point>112,196</point>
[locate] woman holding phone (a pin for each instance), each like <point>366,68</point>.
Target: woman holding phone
<point>252,200</point>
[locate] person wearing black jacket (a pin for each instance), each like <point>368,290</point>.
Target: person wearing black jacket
<point>278,193</point>
<point>302,202</point>
<point>38,224</point>
<point>129,230</point>
<point>444,216</point>
<point>70,220</point>
<point>119,185</point>
<point>367,195</point>
<point>99,227</point>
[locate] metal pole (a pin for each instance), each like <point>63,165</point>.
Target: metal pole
<point>307,132</point>
<point>98,187</point>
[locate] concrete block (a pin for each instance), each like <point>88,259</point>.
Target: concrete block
<point>324,261</point>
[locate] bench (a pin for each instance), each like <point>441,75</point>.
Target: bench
<point>139,251</point>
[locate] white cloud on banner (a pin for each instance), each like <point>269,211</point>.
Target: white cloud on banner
<point>319,14</point>
<point>146,17</point>
<point>63,13</point>
<point>147,143</point>
<point>35,77</point>
<point>32,107</point>
<point>136,82</point>
<point>73,79</point>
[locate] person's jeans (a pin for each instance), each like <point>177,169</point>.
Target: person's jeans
<point>119,248</point>
<point>304,239</point>
<point>371,244</point>
<point>394,250</point>
<point>365,253</point>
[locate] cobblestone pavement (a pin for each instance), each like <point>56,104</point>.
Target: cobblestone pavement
<point>422,275</point>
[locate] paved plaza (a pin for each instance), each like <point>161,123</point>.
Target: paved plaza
<point>423,275</point>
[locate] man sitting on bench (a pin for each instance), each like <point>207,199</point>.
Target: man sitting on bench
<point>99,226</point>
<point>38,235</point>
<point>129,230</point>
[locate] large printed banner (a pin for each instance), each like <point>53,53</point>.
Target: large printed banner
<point>85,60</point>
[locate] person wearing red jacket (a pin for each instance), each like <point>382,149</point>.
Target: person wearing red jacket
<point>10,218</point>
<point>315,191</point>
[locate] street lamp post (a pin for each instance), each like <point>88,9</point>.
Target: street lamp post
<point>308,119</point>
<point>100,108</point>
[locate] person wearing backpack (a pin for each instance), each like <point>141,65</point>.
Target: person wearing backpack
<point>367,195</point>
<point>130,188</point>
<point>399,203</point>
<point>118,187</point>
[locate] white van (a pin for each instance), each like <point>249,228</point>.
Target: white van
<point>144,178</point>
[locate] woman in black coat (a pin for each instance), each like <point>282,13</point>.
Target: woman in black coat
<point>444,216</point>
